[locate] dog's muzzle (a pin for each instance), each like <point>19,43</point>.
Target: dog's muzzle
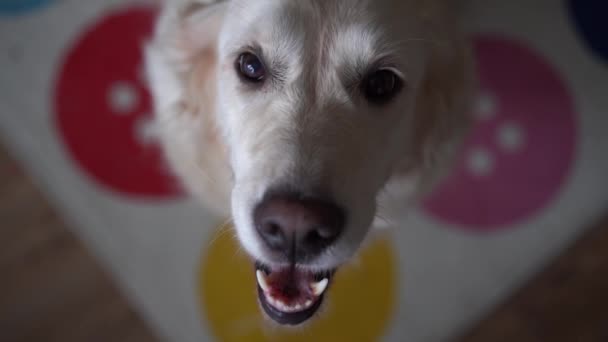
<point>295,229</point>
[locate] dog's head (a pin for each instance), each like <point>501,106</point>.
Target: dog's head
<point>319,103</point>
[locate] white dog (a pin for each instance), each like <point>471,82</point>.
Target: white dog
<point>294,116</point>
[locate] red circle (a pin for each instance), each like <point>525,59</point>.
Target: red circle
<point>522,148</point>
<point>101,136</point>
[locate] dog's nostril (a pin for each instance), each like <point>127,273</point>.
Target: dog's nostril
<point>326,233</point>
<point>320,237</point>
<point>273,235</point>
<point>297,227</point>
<point>313,243</point>
<point>273,229</point>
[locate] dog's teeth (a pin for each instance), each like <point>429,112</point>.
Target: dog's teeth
<point>262,281</point>
<point>280,305</point>
<point>283,307</point>
<point>319,288</point>
<point>273,302</point>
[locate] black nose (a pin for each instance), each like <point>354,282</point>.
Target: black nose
<point>300,228</point>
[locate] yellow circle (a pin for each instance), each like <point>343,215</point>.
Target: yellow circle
<point>358,306</point>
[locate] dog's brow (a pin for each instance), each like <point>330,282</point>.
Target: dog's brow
<point>302,38</point>
<point>361,49</point>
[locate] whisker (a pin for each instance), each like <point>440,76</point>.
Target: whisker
<point>228,222</point>
<point>219,235</point>
<point>226,227</point>
<point>422,40</point>
<point>382,218</point>
<point>203,172</point>
<point>239,250</point>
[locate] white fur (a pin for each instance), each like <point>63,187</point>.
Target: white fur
<point>229,144</point>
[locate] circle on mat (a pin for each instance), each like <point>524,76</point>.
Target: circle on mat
<point>480,162</point>
<point>485,107</point>
<point>145,130</point>
<point>589,16</point>
<point>517,157</point>
<point>359,305</point>
<point>511,137</point>
<point>122,97</point>
<point>15,7</point>
<point>103,107</point>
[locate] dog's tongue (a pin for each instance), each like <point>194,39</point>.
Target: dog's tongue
<point>290,286</point>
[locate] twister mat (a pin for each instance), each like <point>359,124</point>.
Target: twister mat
<point>75,111</point>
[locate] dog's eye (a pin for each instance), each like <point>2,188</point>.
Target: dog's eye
<point>251,68</point>
<point>381,86</point>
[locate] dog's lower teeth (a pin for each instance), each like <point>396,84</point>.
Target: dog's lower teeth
<point>262,280</point>
<point>320,287</point>
<point>278,304</point>
<point>273,302</point>
<point>317,289</point>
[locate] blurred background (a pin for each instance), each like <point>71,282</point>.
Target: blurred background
<point>98,243</point>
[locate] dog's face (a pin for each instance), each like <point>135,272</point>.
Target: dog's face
<point>316,101</point>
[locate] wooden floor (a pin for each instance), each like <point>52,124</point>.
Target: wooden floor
<point>51,289</point>
<point>567,302</point>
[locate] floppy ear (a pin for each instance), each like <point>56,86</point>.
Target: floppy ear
<point>443,106</point>
<point>181,63</point>
<point>182,54</point>
<point>442,117</point>
<point>186,27</point>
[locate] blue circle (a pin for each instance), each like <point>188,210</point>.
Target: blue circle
<point>590,18</point>
<point>16,7</point>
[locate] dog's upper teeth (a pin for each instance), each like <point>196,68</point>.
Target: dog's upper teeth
<point>262,280</point>
<point>319,287</point>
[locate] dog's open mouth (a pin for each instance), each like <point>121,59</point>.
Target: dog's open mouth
<point>290,296</point>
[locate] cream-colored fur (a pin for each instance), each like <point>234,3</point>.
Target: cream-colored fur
<point>228,145</point>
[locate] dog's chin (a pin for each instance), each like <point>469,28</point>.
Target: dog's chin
<point>291,295</point>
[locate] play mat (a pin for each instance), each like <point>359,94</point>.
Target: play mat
<point>75,111</point>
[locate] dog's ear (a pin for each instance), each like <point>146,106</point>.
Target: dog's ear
<point>442,117</point>
<point>188,27</point>
<point>443,106</point>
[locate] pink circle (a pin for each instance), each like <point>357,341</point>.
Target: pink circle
<point>101,103</point>
<point>526,128</point>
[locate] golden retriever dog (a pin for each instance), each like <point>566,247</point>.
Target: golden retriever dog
<point>297,117</point>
